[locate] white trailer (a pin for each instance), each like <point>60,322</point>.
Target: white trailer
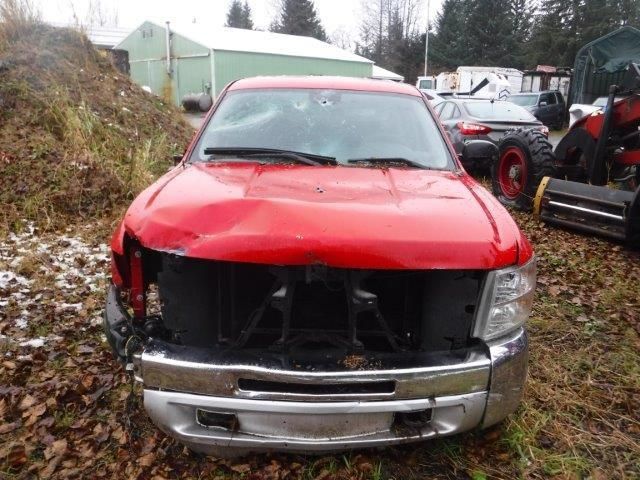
<point>426,83</point>
<point>481,82</point>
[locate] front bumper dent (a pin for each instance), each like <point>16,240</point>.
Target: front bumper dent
<point>265,425</point>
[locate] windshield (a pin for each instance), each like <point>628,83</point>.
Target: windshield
<point>498,111</point>
<point>524,100</point>
<point>341,124</point>
<point>426,84</point>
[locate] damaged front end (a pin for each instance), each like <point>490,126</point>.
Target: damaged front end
<point>307,358</point>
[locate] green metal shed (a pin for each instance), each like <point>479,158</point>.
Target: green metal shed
<point>205,59</point>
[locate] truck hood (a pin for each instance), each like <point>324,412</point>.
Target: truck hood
<point>348,217</point>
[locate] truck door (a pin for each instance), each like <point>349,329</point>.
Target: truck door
<point>546,110</point>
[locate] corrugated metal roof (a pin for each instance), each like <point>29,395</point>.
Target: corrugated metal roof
<point>108,37</point>
<point>384,74</point>
<point>100,36</point>
<point>240,40</point>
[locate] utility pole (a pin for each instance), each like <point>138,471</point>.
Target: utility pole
<point>426,37</point>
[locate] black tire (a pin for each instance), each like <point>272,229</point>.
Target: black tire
<point>528,157</point>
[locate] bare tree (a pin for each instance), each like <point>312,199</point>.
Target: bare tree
<point>95,15</point>
<point>384,24</point>
<point>340,37</point>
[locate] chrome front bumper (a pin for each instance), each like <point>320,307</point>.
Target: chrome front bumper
<point>457,395</point>
<point>265,425</point>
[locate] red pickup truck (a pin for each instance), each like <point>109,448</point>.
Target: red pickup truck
<point>319,273</point>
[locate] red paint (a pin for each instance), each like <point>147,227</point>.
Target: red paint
<point>362,218</point>
<point>512,169</point>
<point>138,291</point>
<point>626,118</point>
<point>329,83</point>
<point>628,157</point>
<point>351,217</point>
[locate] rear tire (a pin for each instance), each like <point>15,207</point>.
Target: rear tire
<point>526,157</point>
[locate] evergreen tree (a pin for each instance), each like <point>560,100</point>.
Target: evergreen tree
<point>489,30</point>
<point>246,13</point>
<point>629,12</point>
<point>522,14</point>
<point>239,15</point>
<point>563,27</point>
<point>548,43</point>
<point>598,17</point>
<point>298,17</point>
<point>449,47</point>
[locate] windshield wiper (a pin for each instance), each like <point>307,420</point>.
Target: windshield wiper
<point>251,152</point>
<point>389,161</point>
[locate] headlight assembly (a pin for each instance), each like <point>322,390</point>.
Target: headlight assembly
<point>506,300</point>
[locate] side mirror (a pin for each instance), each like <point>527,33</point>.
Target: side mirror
<point>177,158</point>
<point>475,150</point>
<point>543,104</point>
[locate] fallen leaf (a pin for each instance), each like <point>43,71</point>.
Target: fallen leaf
<point>9,427</point>
<point>241,468</point>
<point>554,290</point>
<point>17,456</point>
<point>38,410</point>
<point>57,449</point>
<point>9,364</point>
<point>26,402</point>
<point>51,467</point>
<point>147,460</point>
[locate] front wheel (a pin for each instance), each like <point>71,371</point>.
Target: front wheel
<point>526,157</point>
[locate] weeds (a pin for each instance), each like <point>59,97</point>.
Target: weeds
<point>78,141</point>
<point>63,419</point>
<point>17,18</point>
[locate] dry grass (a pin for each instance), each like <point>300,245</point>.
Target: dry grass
<point>78,140</point>
<point>17,18</point>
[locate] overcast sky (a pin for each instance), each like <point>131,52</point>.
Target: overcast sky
<point>336,15</point>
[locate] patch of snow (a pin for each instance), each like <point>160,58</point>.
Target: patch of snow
<point>40,341</point>
<point>7,277</point>
<point>21,323</point>
<point>34,342</point>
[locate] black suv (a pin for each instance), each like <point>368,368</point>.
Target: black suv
<point>547,106</point>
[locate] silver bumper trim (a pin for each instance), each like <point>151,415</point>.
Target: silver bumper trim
<point>308,426</point>
<point>166,367</point>
<point>509,359</point>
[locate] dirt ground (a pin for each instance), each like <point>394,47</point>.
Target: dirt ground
<point>67,409</point>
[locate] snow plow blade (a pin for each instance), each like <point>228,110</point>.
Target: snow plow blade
<point>589,208</point>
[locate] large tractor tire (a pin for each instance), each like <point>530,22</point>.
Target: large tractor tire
<point>526,157</point>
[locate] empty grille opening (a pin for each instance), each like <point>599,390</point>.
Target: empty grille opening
<point>316,389</point>
<point>212,304</point>
<point>209,419</point>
